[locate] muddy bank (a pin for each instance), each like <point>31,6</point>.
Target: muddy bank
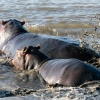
<point>26,86</point>
<point>60,93</point>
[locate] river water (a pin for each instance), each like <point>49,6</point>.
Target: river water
<point>71,18</point>
<point>77,19</point>
<point>49,11</point>
<point>71,13</point>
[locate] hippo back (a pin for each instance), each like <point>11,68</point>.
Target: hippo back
<point>14,36</point>
<point>69,72</point>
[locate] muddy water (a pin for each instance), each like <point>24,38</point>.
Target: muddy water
<point>77,19</point>
<point>74,18</point>
<point>11,79</point>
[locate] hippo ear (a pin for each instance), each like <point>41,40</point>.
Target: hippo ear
<point>23,22</point>
<point>38,46</point>
<point>25,50</point>
<point>3,22</point>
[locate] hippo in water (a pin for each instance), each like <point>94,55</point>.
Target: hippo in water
<point>14,36</point>
<point>66,72</point>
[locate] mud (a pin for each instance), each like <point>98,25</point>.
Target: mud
<point>25,85</point>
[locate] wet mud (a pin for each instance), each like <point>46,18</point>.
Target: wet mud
<point>20,85</point>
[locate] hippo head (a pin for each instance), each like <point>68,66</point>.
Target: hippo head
<point>11,24</point>
<point>28,58</point>
<point>10,29</point>
<point>19,60</point>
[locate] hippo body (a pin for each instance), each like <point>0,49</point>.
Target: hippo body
<point>14,36</point>
<point>67,72</point>
<point>49,45</point>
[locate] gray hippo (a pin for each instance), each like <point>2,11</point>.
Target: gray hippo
<point>14,36</point>
<point>66,72</point>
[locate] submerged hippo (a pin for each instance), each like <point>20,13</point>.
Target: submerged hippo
<point>67,72</point>
<point>14,36</point>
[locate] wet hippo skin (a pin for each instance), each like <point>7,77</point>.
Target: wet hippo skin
<point>67,72</point>
<point>14,36</point>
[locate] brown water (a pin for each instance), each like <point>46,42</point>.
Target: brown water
<point>50,11</point>
<point>74,18</point>
<point>56,17</point>
<point>78,19</point>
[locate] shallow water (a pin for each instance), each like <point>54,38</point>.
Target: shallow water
<point>52,13</point>
<point>49,11</point>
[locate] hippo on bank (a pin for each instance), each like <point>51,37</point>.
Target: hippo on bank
<point>66,72</point>
<point>14,36</point>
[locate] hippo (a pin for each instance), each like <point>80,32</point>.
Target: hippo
<point>13,36</point>
<point>66,72</point>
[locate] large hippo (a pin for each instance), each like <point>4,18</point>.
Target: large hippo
<point>67,72</point>
<point>14,36</point>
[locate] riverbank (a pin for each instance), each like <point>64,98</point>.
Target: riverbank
<point>16,85</point>
<point>70,93</point>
